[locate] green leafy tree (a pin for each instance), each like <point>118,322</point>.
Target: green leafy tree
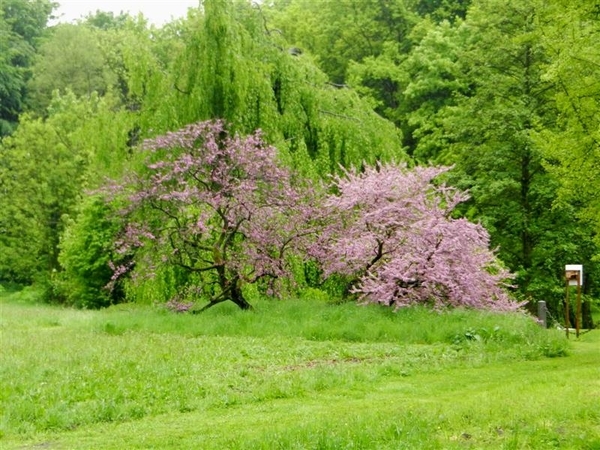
<point>435,77</point>
<point>366,44</point>
<point>477,94</point>
<point>28,18</point>
<point>572,147</point>
<point>234,69</point>
<point>71,58</point>
<point>11,86</point>
<point>22,23</point>
<point>488,130</point>
<point>410,89</point>
<point>86,251</point>
<point>44,167</point>
<point>338,32</point>
<point>442,10</point>
<point>107,20</point>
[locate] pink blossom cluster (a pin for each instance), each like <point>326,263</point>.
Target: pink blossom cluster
<point>210,201</point>
<point>393,231</point>
<point>118,271</point>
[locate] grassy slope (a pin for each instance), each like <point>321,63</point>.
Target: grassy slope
<point>293,375</point>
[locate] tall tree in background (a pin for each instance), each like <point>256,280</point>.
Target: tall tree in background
<point>70,58</point>
<point>107,20</point>
<point>41,178</point>
<point>22,23</point>
<point>434,75</point>
<point>475,91</point>
<point>365,44</point>
<point>44,167</point>
<point>490,134</point>
<point>442,10</point>
<point>234,68</point>
<point>339,32</point>
<point>572,148</point>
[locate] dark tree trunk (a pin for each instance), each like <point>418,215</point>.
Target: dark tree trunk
<point>526,236</point>
<point>237,296</point>
<point>586,316</point>
<point>587,320</point>
<point>209,305</point>
<point>231,290</point>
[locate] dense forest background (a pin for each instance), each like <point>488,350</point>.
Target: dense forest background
<point>506,92</point>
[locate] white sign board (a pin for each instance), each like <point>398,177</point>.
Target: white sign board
<point>574,272</point>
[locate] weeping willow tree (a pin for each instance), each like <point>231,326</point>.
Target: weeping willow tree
<point>232,66</point>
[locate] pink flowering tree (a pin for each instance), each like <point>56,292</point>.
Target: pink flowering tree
<point>215,205</point>
<point>394,234</point>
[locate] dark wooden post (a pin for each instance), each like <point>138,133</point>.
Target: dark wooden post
<point>567,322</point>
<point>578,310</point>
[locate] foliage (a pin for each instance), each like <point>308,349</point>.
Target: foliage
<point>71,58</point>
<point>28,18</point>
<point>490,134</point>
<point>338,32</point>
<point>10,81</point>
<point>504,91</point>
<point>42,176</point>
<point>365,45</point>
<point>133,54</point>
<point>43,171</point>
<point>107,20</point>
<point>232,68</point>
<point>572,147</point>
<point>393,231</point>
<point>215,205</point>
<point>442,10</point>
<point>494,88</point>
<point>434,78</point>
<point>22,23</point>
<point>85,254</point>
<point>474,94</point>
<point>165,79</point>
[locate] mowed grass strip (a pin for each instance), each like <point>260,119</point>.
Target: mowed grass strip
<point>530,404</point>
<point>140,377</point>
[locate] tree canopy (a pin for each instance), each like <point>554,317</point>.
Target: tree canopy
<point>216,206</point>
<point>504,92</point>
<point>393,231</point>
<point>22,24</point>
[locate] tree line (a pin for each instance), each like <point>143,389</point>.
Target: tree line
<point>503,92</point>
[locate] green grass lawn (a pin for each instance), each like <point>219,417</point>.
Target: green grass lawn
<point>292,375</point>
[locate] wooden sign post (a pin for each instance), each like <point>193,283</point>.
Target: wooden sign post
<point>574,277</point>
